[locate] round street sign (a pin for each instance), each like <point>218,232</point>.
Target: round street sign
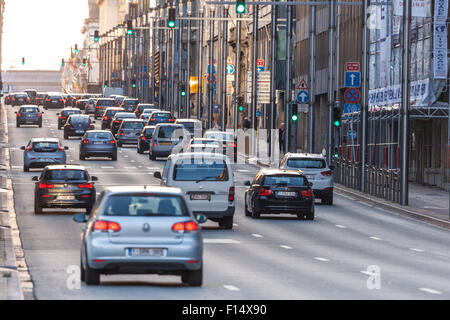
<point>351,95</point>
<point>213,79</point>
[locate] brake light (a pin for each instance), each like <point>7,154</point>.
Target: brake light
<point>39,114</point>
<point>112,141</point>
<point>306,193</point>
<point>85,141</point>
<point>14,99</point>
<point>98,107</point>
<point>231,194</point>
<point>101,225</point>
<point>105,118</point>
<point>187,226</point>
<point>264,192</point>
<point>85,185</point>
<point>116,121</point>
<point>19,114</point>
<point>143,138</point>
<point>326,173</point>
<point>171,120</point>
<point>152,119</point>
<point>62,117</point>
<point>122,134</point>
<point>46,186</point>
<point>60,148</point>
<point>61,100</point>
<point>48,100</point>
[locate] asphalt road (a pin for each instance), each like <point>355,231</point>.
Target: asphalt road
<point>350,251</point>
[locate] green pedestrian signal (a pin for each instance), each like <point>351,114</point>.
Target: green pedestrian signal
<point>171,20</point>
<point>240,6</point>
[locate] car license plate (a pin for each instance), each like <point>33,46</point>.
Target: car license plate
<point>310,177</point>
<point>146,252</point>
<point>200,196</point>
<point>66,198</point>
<point>79,131</point>
<point>98,142</point>
<point>166,143</point>
<point>286,194</point>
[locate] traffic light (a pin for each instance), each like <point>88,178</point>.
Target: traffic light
<point>76,48</point>
<point>133,83</point>
<point>171,21</point>
<point>183,90</point>
<point>294,114</point>
<point>240,103</point>
<point>23,61</point>
<point>62,62</point>
<point>336,116</point>
<point>106,84</point>
<point>240,6</point>
<point>129,27</point>
<point>96,36</point>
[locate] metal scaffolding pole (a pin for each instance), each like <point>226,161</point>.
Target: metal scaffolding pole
<point>238,71</point>
<point>406,72</point>
<point>200,67</point>
<point>188,71</point>
<point>364,98</point>
<point>211,70</point>
<point>177,92</point>
<point>288,94</point>
<point>273,105</point>
<point>254,79</point>
<point>331,32</point>
<point>312,74</point>
<point>224,68</point>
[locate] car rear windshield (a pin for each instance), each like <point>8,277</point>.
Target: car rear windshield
<point>170,132</point>
<point>29,110</point>
<point>307,163</point>
<point>143,107</point>
<point>65,175</point>
<point>285,180</point>
<point>149,131</point>
<point>21,95</point>
<point>55,97</point>
<point>145,205</point>
<point>161,115</point>
<point>45,146</point>
<point>131,102</point>
<point>133,125</point>
<point>200,170</point>
<point>123,116</point>
<point>105,102</point>
<point>69,112</point>
<point>79,119</point>
<point>99,135</point>
<point>220,136</point>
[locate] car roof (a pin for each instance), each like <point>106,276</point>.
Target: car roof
<point>133,120</point>
<point>113,108</point>
<point>144,189</point>
<point>196,155</point>
<point>272,172</point>
<point>188,120</point>
<point>134,99</point>
<point>70,108</point>
<point>44,139</point>
<point>98,131</point>
<point>305,155</point>
<point>169,125</point>
<point>149,127</point>
<point>108,99</point>
<point>118,114</point>
<point>29,105</point>
<point>66,166</point>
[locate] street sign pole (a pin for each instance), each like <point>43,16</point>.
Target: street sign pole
<point>254,75</point>
<point>287,96</point>
<point>272,85</point>
<point>332,27</point>
<point>312,71</point>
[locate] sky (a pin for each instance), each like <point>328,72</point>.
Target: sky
<point>41,31</point>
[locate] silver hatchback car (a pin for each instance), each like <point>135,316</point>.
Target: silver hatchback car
<point>141,230</point>
<point>317,171</point>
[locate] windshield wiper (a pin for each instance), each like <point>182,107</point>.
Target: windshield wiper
<point>206,179</point>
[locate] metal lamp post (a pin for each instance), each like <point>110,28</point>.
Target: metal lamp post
<point>211,68</point>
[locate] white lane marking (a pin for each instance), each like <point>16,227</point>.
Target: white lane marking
<point>416,250</point>
<point>243,170</point>
<point>125,156</point>
<point>341,226</point>
<point>432,291</point>
<point>71,160</point>
<point>152,168</point>
<point>235,224</point>
<point>221,241</point>
<point>132,160</point>
<point>139,166</point>
<point>107,167</point>
<point>366,272</point>
<point>436,208</point>
<point>285,247</point>
<point>231,288</point>
<point>130,167</point>
<point>321,259</point>
<point>257,235</point>
<point>17,167</point>
<point>375,238</point>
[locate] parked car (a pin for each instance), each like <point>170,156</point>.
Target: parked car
<point>101,105</point>
<point>129,131</point>
<point>29,114</point>
<point>40,152</point>
<point>54,101</point>
<point>108,115</point>
<point>144,138</point>
<point>160,117</point>
<point>207,182</point>
<point>141,229</point>
<point>64,186</point>
<point>117,120</point>
<point>77,125</point>
<point>64,115</point>
<point>167,139</point>
<point>129,104</point>
<point>19,99</point>
<point>275,191</point>
<point>316,169</point>
<point>98,143</point>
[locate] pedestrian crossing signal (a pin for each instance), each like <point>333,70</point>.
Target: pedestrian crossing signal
<point>240,6</point>
<point>171,21</point>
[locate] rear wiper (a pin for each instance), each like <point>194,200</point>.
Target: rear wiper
<point>153,214</point>
<point>206,179</point>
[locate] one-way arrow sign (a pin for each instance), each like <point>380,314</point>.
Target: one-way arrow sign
<point>303,96</point>
<point>352,79</point>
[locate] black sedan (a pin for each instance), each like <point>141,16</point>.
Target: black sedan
<point>144,138</point>
<point>29,115</point>
<point>276,191</point>
<point>160,117</point>
<point>64,186</point>
<point>77,125</point>
<point>98,143</point>
<point>64,115</point>
<point>19,99</point>
<point>54,101</point>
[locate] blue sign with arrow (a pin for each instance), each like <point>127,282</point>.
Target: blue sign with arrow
<point>303,96</point>
<point>352,79</point>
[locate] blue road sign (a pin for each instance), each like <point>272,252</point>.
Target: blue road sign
<point>258,113</point>
<point>230,69</point>
<point>351,107</point>
<point>260,69</point>
<point>303,96</point>
<point>352,79</point>
<point>351,134</point>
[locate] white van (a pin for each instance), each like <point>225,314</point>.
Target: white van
<point>207,182</point>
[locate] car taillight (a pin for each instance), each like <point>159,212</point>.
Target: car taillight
<point>327,173</point>
<point>122,134</point>
<point>232,144</point>
<point>48,100</point>
<point>231,194</point>
<point>116,121</point>
<point>152,119</point>
<point>112,141</point>
<point>61,100</point>
<point>85,185</point>
<point>98,107</point>
<point>105,118</point>
<point>306,193</point>
<point>62,117</point>
<point>19,114</point>
<point>60,148</point>
<point>85,141</point>
<point>171,120</point>
<point>39,114</point>
<point>264,192</point>
<point>143,138</point>
<point>14,99</point>
<point>91,126</point>
<point>101,225</point>
<point>187,226</point>
<point>46,186</point>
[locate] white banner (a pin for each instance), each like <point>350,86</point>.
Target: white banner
<point>420,8</point>
<point>440,61</point>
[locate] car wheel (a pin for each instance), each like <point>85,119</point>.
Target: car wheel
<point>26,169</point>
<point>328,199</point>
<point>40,124</point>
<point>92,276</point>
<point>139,150</point>
<point>114,157</point>
<point>82,156</point>
<point>193,278</point>
<point>247,213</point>
<point>119,144</point>
<point>255,214</point>
<point>37,208</point>
<point>66,136</point>
<point>226,222</point>
<point>17,125</point>
<point>152,157</point>
<point>82,272</point>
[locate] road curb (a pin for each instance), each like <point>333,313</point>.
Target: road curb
<point>380,203</point>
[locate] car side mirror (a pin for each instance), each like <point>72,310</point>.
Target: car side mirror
<point>200,218</point>
<point>310,184</point>
<point>15,111</point>
<point>22,148</point>
<point>66,148</point>
<point>157,175</point>
<point>94,178</point>
<point>35,178</point>
<point>57,114</point>
<point>331,167</point>
<point>247,183</point>
<point>80,218</point>
<point>93,121</point>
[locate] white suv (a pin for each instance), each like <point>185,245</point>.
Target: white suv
<point>317,171</point>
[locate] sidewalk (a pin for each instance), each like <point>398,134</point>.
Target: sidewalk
<point>426,203</point>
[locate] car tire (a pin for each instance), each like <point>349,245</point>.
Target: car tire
<point>328,199</point>
<point>82,156</point>
<point>40,124</point>
<point>139,150</point>
<point>119,144</point>
<point>17,125</point>
<point>59,127</point>
<point>255,214</point>
<point>152,157</point>
<point>37,208</point>
<point>92,276</point>
<point>247,213</point>
<point>226,222</point>
<point>82,272</point>
<point>66,136</point>
<point>193,278</point>
<point>26,169</point>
